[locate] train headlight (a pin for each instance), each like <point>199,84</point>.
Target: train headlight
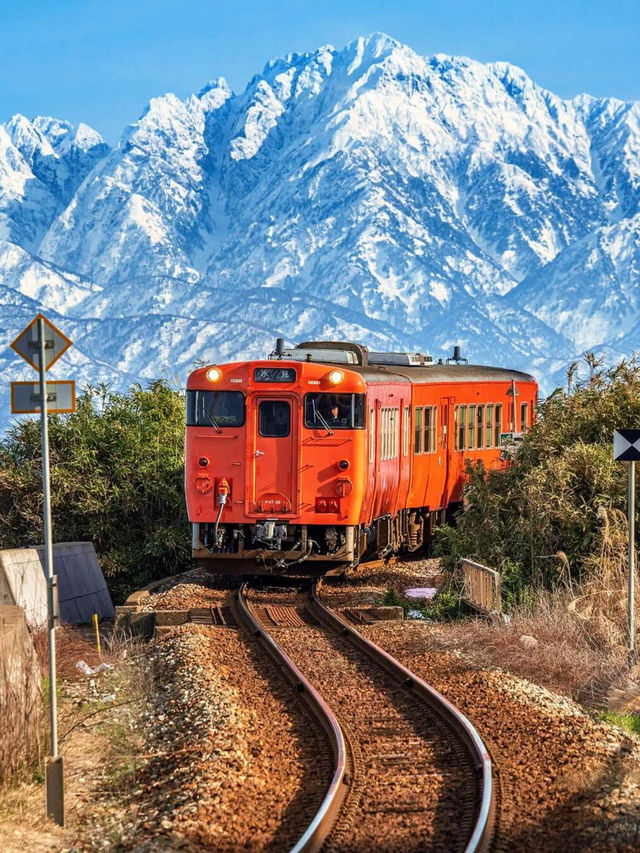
<point>335,377</point>
<point>214,374</point>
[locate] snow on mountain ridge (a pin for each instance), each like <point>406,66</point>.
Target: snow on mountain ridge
<point>367,192</point>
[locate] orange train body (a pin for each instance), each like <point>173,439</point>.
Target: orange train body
<point>301,463</point>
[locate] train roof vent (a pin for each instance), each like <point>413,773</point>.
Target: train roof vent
<point>400,359</point>
<point>335,351</point>
<point>333,356</point>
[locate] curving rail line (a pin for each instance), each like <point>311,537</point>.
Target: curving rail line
<point>481,837</point>
<point>323,822</point>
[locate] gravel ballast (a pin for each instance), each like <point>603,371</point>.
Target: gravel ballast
<point>232,760</point>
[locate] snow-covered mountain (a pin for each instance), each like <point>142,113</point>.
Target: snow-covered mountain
<point>366,193</point>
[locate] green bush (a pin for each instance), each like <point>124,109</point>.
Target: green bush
<point>116,479</point>
<point>554,517</point>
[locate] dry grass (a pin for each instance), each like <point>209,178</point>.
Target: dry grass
<point>579,644</point>
<point>100,743</point>
<point>72,645</point>
<point>577,647</point>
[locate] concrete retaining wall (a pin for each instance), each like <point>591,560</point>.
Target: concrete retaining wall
<point>82,590</point>
<point>20,693</point>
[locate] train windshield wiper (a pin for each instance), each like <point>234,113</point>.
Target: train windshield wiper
<point>213,422</point>
<point>318,417</point>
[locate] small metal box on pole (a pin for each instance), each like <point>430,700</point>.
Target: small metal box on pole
<point>41,344</point>
<point>626,448</point>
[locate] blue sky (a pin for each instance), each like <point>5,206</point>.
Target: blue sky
<point>100,62</point>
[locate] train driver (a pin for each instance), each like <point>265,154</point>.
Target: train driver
<point>336,417</point>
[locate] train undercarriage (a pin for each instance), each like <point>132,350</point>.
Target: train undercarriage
<point>275,545</point>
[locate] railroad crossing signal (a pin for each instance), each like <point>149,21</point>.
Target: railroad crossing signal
<point>27,344</point>
<point>626,445</point>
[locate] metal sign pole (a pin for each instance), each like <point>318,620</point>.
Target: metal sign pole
<point>54,775</point>
<point>632,560</point>
<point>41,352</point>
<point>48,548</point>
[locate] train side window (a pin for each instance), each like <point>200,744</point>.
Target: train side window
<point>434,429</point>
<point>274,418</point>
<point>523,416</point>
<point>417,440</point>
<point>498,425</point>
<point>430,428</point>
<point>462,427</point>
<point>385,434</point>
<point>489,432</point>
<point>472,428</point>
<point>405,431</point>
<point>393,429</point>
<point>390,436</point>
<point>372,435</point>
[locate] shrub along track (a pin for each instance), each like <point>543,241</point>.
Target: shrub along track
<point>419,777</point>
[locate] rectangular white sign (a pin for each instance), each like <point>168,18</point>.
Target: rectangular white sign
<point>25,397</point>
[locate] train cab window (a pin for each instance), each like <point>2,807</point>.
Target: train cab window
<point>498,425</point>
<point>523,416</point>
<point>472,428</point>
<point>215,409</point>
<point>480,428</point>
<point>405,431</point>
<point>461,427</point>
<point>274,418</point>
<point>337,411</point>
<point>489,431</point>
<point>430,428</point>
<point>417,431</point>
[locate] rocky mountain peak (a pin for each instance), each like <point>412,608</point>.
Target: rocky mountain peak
<point>366,193</point>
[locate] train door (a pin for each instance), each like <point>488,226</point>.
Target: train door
<point>446,445</point>
<point>372,457</point>
<point>379,475</point>
<point>273,464</point>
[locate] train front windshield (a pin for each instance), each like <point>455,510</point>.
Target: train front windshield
<point>339,411</point>
<point>215,408</point>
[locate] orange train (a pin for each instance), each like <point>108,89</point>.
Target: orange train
<point>327,453</point>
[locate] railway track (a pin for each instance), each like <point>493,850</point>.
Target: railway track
<point>409,771</point>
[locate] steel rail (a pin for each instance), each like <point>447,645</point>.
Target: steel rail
<point>482,835</point>
<point>320,827</point>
